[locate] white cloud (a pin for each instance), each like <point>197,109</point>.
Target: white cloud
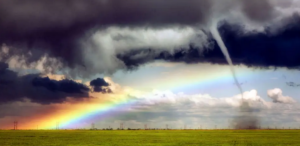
<point>166,107</point>
<point>276,96</point>
<point>123,39</point>
<point>159,108</point>
<point>169,98</point>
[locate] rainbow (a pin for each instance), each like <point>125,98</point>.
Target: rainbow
<point>78,113</point>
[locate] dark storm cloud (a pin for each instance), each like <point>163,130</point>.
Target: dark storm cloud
<point>37,89</point>
<point>258,10</point>
<point>255,49</point>
<point>40,16</point>
<point>3,66</point>
<point>54,28</point>
<point>100,85</point>
<point>38,28</point>
<point>65,85</point>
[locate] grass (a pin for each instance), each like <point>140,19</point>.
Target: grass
<point>151,138</point>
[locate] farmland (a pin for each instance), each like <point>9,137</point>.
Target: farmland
<point>150,138</point>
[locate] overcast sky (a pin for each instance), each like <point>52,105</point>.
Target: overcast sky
<point>149,62</point>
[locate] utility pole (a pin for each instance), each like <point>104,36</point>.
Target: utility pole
<point>121,126</point>
<point>15,125</point>
<point>145,126</point>
<point>167,127</point>
<point>93,126</point>
<point>57,125</point>
<point>228,124</point>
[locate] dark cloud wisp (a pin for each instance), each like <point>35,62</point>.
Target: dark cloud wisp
<point>292,84</point>
<point>100,85</point>
<point>65,85</point>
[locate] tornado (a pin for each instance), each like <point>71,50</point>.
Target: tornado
<point>217,37</point>
<point>246,119</point>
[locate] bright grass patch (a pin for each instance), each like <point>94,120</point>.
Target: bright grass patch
<point>151,138</point>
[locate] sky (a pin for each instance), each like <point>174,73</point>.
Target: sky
<point>149,62</point>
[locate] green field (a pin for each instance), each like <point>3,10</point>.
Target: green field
<point>149,138</point>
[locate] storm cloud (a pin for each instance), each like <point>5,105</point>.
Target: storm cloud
<point>63,31</point>
<point>38,28</point>
<point>260,49</point>
<point>258,10</point>
<point>14,87</point>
